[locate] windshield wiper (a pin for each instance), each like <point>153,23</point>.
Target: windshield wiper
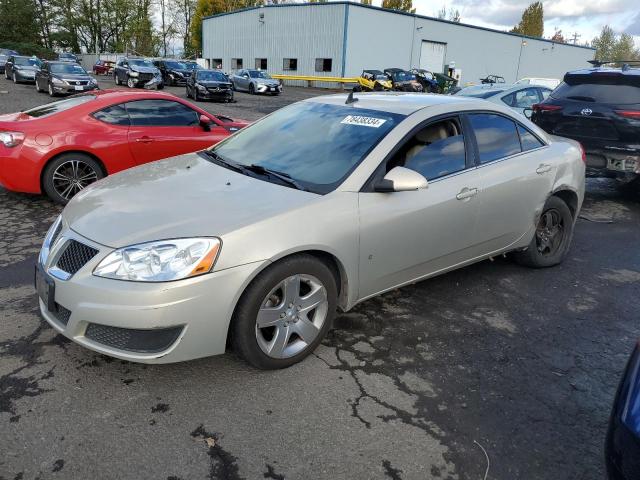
<point>225,163</point>
<point>284,177</point>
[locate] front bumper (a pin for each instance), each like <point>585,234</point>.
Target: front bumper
<point>69,89</point>
<point>192,316</point>
<point>262,88</point>
<point>216,95</point>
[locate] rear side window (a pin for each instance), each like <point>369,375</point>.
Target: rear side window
<point>161,113</point>
<point>496,136</point>
<point>604,91</point>
<point>528,140</point>
<point>60,106</point>
<point>115,115</point>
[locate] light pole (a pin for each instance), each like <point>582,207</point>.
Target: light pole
<point>523,43</point>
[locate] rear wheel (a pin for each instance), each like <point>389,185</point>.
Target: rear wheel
<point>284,314</point>
<point>252,89</point>
<point>552,239</point>
<point>68,174</point>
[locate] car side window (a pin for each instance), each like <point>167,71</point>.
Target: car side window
<point>544,93</point>
<point>528,140</point>
<point>496,136</point>
<point>436,150</point>
<point>161,113</point>
<point>522,98</point>
<point>115,115</point>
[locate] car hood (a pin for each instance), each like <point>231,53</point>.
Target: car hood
<point>213,84</point>
<point>25,67</point>
<point>72,78</point>
<point>185,196</point>
<point>144,69</point>
<point>184,73</point>
<point>268,81</point>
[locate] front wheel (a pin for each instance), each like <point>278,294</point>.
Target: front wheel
<point>68,174</point>
<point>131,82</point>
<point>252,89</point>
<point>552,239</point>
<point>51,92</point>
<point>15,78</point>
<point>38,89</point>
<point>285,312</point>
<point>116,79</point>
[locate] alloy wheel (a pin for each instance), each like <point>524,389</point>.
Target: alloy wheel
<point>15,78</point>
<point>72,176</point>
<point>131,83</point>
<point>291,316</point>
<point>50,90</point>
<point>550,232</point>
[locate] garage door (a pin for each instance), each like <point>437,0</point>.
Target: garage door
<point>432,56</point>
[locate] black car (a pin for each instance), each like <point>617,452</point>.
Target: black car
<point>137,72</point>
<point>173,72</point>
<point>600,108</point>
<point>63,78</point>
<point>402,80</point>
<point>68,57</point>
<point>209,85</point>
<point>622,446</point>
<point>3,61</point>
<point>21,69</point>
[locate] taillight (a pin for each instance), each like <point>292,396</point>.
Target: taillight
<point>545,107</point>
<point>11,139</point>
<point>583,153</point>
<point>634,114</point>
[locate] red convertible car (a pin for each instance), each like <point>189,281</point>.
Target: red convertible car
<point>61,147</point>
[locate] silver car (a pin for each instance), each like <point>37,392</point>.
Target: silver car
<point>520,98</point>
<point>319,206</point>
<point>255,81</point>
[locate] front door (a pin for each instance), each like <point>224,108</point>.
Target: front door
<point>408,235</point>
<point>165,128</point>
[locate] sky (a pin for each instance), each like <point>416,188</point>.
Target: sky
<point>586,17</point>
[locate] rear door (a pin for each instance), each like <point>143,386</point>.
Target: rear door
<point>516,176</point>
<point>166,128</point>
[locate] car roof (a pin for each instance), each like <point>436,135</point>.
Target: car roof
<point>605,70</point>
<point>400,102</point>
<point>114,95</point>
<point>57,62</point>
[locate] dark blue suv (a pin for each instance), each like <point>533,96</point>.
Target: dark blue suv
<point>600,108</point>
<point>622,448</point>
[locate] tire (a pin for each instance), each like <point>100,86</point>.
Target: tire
<point>38,89</point>
<point>160,86</point>
<point>51,92</point>
<point>188,92</point>
<point>131,83</point>
<point>315,280</point>
<point>85,167</point>
<point>252,89</point>
<point>545,249</point>
<point>116,79</point>
<point>15,78</point>
<point>357,88</point>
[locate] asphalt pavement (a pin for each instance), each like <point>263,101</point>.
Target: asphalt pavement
<point>492,367</point>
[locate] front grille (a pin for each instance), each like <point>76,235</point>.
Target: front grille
<point>62,314</point>
<point>218,89</point>
<point>78,82</point>
<point>75,256</point>
<point>145,77</point>
<point>133,340</point>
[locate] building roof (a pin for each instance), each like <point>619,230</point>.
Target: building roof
<point>397,12</point>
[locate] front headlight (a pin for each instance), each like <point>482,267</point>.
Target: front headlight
<point>200,87</point>
<point>161,261</point>
<point>57,81</point>
<point>133,74</point>
<point>54,229</point>
<point>93,81</point>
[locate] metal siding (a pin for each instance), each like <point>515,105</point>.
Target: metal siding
<point>302,32</point>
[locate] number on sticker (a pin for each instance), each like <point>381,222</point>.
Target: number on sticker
<point>363,121</point>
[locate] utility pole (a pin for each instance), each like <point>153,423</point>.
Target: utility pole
<point>575,38</point>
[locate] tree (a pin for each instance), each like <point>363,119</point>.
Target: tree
<point>365,2</point>
<point>183,13</point>
<point>625,49</point>
<point>451,15</point>
<point>558,37</point>
<point>610,47</point>
<point>532,22</point>
<point>402,5</point>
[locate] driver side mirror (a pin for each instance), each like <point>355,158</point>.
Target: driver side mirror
<point>401,179</point>
<point>205,123</point>
<point>527,112</point>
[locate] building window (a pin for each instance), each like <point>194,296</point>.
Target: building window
<point>236,63</point>
<point>323,64</point>
<point>216,63</point>
<point>261,63</point>
<point>290,64</point>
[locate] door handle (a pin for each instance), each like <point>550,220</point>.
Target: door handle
<point>466,193</point>
<point>543,168</point>
<point>144,140</point>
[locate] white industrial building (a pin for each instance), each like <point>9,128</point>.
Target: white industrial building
<point>340,39</point>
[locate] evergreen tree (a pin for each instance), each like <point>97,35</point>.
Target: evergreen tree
<point>532,22</point>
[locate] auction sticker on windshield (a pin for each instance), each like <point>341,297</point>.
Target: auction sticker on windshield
<point>363,121</point>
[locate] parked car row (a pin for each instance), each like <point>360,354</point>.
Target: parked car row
<point>391,79</point>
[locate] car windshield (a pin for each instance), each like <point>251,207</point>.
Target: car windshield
<point>59,106</point>
<point>67,55</point>
<point>176,65</point>
<point>478,93</point>
<point>192,66</point>
<point>72,68</point>
<point>141,63</point>
<point>24,61</point>
<point>258,74</point>
<point>601,90</point>
<point>206,76</point>
<point>381,76</point>
<point>403,76</point>
<point>316,144</point>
